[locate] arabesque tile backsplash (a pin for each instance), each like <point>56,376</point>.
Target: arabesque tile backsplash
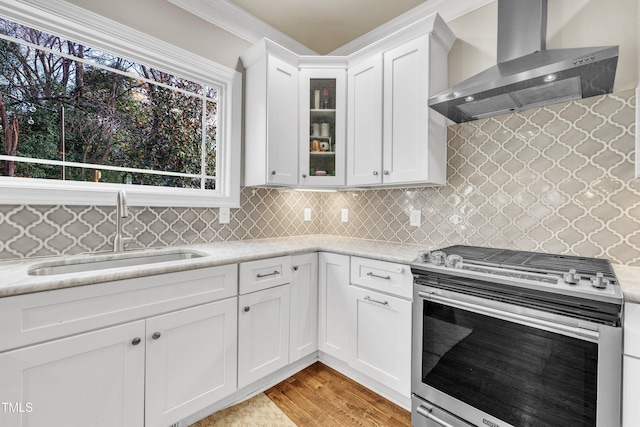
<point>555,179</point>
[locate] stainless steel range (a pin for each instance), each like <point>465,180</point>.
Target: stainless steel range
<point>510,338</point>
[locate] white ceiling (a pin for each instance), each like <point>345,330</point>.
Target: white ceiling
<point>325,25</point>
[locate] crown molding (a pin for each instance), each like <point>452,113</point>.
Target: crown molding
<point>239,22</point>
<point>447,9</point>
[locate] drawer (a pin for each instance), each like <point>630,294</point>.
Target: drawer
<point>264,274</point>
<point>31,318</point>
<point>389,277</point>
<point>632,329</point>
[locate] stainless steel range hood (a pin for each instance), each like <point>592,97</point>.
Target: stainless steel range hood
<point>527,75</point>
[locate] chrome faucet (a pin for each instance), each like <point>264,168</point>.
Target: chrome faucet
<point>119,242</point>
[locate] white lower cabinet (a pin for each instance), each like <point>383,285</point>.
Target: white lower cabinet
<point>303,310</point>
<point>381,338</point>
<point>187,357</point>
<point>191,361</point>
<point>96,378</point>
<point>263,333</point>
<point>146,351</point>
<point>631,391</point>
<point>631,366</point>
<point>333,305</point>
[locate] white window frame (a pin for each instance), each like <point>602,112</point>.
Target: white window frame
<point>66,20</point>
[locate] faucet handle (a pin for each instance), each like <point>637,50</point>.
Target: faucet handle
<point>121,202</point>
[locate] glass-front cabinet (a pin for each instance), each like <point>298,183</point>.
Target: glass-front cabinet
<point>322,127</point>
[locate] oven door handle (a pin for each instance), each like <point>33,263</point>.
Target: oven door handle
<point>426,412</point>
<point>518,318</point>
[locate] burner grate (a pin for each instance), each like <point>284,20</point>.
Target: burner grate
<point>531,261</point>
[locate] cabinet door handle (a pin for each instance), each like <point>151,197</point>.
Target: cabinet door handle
<point>156,335</point>
<point>370,274</point>
<point>295,268</point>
<point>304,175</point>
<point>386,172</point>
<point>273,172</point>
<point>136,341</point>
<point>260,276</point>
<point>368,298</point>
<point>246,309</point>
<point>375,173</point>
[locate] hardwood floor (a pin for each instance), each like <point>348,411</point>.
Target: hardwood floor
<point>320,396</point>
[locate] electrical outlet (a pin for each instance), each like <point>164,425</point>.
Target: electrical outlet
<point>224,215</point>
<point>415,218</point>
<point>345,215</point>
<point>307,214</point>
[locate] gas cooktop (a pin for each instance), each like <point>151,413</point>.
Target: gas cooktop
<point>581,277</point>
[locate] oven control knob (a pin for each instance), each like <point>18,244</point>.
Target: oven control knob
<point>571,277</point>
<point>599,281</point>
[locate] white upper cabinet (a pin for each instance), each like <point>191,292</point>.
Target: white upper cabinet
<point>360,120</point>
<point>322,127</point>
<point>271,117</point>
<point>415,140</point>
<point>364,132</point>
<point>394,138</point>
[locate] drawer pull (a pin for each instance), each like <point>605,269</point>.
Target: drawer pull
<point>379,277</point>
<point>156,335</point>
<point>136,341</point>
<point>368,298</point>
<point>260,276</point>
<point>426,412</point>
<point>247,309</point>
<point>295,268</point>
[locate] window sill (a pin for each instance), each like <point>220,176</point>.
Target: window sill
<point>20,191</point>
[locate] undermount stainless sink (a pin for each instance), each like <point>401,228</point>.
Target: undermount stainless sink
<point>103,262</point>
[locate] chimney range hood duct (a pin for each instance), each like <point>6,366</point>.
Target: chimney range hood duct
<point>527,75</point>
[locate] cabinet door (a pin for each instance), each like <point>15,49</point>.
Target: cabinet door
<point>191,361</point>
<point>364,133</point>
<point>322,127</point>
<point>381,338</point>
<point>406,112</point>
<point>303,330</point>
<point>282,117</point>
<point>333,301</point>
<point>263,333</point>
<point>631,392</point>
<point>90,379</point>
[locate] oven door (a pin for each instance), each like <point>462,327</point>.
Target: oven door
<point>496,364</point>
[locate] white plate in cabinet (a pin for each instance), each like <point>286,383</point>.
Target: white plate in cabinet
<point>382,276</point>
<point>381,338</point>
<point>263,333</point>
<point>264,274</point>
<point>96,378</point>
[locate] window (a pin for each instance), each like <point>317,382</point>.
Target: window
<point>82,122</point>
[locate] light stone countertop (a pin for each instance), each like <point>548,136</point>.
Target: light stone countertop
<point>15,280</point>
<point>629,278</point>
